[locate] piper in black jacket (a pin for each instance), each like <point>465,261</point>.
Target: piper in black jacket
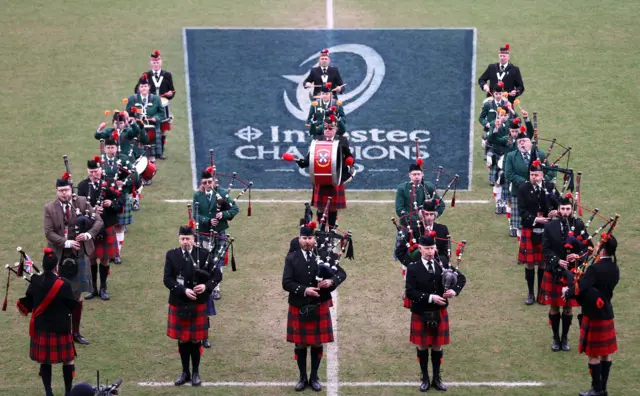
<point>107,206</point>
<point>323,73</point>
<point>594,292</point>
<point>50,301</point>
<point>537,203</point>
<point>503,71</point>
<point>561,251</point>
<point>190,278</point>
<point>429,301</point>
<point>309,320</point>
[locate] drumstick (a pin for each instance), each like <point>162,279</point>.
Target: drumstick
<point>336,88</point>
<point>167,93</point>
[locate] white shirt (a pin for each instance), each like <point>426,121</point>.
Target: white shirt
<point>503,66</point>
<point>156,73</point>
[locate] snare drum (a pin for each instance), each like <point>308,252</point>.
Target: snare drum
<point>326,166</point>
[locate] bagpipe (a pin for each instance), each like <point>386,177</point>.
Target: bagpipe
<point>332,247</point>
<point>217,245</point>
<point>106,390</point>
<point>24,268</point>
<point>222,202</point>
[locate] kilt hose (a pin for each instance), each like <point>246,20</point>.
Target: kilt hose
<point>530,252</point>
<point>126,216</point>
<point>52,348</point>
<point>551,293</point>
<point>420,335</point>
<point>106,247</point>
<point>597,337</point>
<point>319,331</point>
<point>322,193</point>
<point>516,221</point>
<point>82,281</point>
<point>194,329</point>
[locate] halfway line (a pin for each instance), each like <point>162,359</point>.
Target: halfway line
<point>332,350</point>
<point>364,201</point>
<point>354,384</point>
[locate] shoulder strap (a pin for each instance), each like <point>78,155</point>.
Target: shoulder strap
<point>44,304</point>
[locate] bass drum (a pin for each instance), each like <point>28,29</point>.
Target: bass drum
<point>325,168</point>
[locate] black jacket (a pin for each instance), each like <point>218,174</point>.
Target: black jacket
<point>315,77</point>
<point>109,215</point>
<point>343,150</point>
<point>56,318</point>
<point>299,274</point>
<point>420,284</point>
<point>531,203</point>
<point>512,79</point>
<point>597,282</point>
<point>176,264</point>
<point>441,242</point>
<point>166,84</point>
<point>553,241</point>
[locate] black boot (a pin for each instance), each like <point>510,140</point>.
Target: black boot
<point>540,278</point>
<point>606,369</point>
<point>554,321</point>
<point>566,324</point>
<point>67,374</point>
<point>436,361</point>
<point>529,275</point>
<point>45,375</point>
<point>301,359</point>
<point>185,354</point>
<point>104,273</point>
<point>94,280</point>
<point>195,363</point>
<point>316,357</point>
<point>423,359</point>
<point>596,381</point>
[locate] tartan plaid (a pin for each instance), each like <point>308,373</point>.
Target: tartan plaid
<point>196,329</point>
<point>52,348</point>
<point>106,247</point>
<point>310,332</point>
<point>493,171</point>
<point>597,337</point>
<point>322,193</point>
<point>157,149</point>
<point>82,281</point>
<point>506,196</point>
<point>126,217</point>
<point>530,252</point>
<point>551,294</point>
<point>423,336</point>
<point>516,221</point>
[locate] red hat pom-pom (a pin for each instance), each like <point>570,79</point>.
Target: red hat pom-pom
<point>209,169</point>
<point>569,195</point>
<point>507,47</point>
<point>312,225</point>
<point>156,52</point>
<point>516,121</point>
<point>523,129</point>
<point>568,246</point>
<point>333,108</point>
<point>48,250</point>
<point>420,161</point>
<point>287,157</point>
<point>537,163</point>
<point>349,161</point>
<point>500,84</point>
<point>437,201</point>
<point>571,233</point>
<point>66,176</point>
<point>98,159</point>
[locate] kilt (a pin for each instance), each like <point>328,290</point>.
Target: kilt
<point>516,221</point>
<point>493,171</point>
<point>106,248</point>
<point>597,337</point>
<point>165,126</point>
<point>322,193</point>
<point>126,216</point>
<point>530,252</point>
<point>52,348</point>
<point>506,196</point>
<point>195,329</point>
<point>310,332</point>
<point>551,294</point>
<point>82,281</point>
<point>423,336</point>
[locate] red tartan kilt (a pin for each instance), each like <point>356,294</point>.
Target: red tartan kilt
<point>106,248</point>
<point>52,348</point>
<point>552,295</point>
<point>597,337</point>
<point>406,302</point>
<point>530,252</point>
<point>195,329</point>
<point>322,193</point>
<point>151,133</point>
<point>423,336</point>
<point>165,126</point>
<point>310,332</point>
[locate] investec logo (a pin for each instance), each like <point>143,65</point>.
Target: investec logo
<point>271,142</point>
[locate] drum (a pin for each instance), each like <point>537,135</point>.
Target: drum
<point>326,163</point>
<point>149,172</point>
<point>141,164</point>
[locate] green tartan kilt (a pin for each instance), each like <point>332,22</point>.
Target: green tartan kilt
<point>126,217</point>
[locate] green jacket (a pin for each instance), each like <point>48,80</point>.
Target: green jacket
<point>489,112</point>
<point>404,203</point>
<point>126,139</point>
<point>154,107</point>
<point>517,172</point>
<point>208,210</point>
<point>316,128</point>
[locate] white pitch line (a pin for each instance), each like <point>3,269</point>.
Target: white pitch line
<point>332,350</point>
<point>329,14</point>
<point>364,201</point>
<point>384,170</point>
<point>192,146</point>
<point>355,384</point>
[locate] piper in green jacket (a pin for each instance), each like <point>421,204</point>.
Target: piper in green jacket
<point>325,107</point>
<point>490,109</point>
<point>145,105</point>
<point>127,132</point>
<point>216,207</point>
<point>404,203</point>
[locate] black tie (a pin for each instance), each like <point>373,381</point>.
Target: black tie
<point>324,71</point>
<point>157,74</point>
<point>501,68</point>
<point>430,266</point>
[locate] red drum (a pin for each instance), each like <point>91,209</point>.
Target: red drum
<point>145,168</point>
<point>326,166</point>
<point>151,133</point>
